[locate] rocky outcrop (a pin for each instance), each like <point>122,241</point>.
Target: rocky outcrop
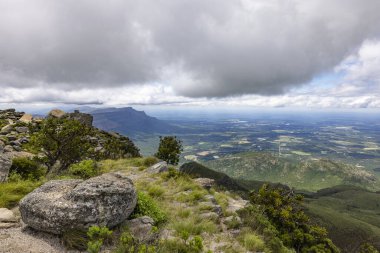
<point>5,165</point>
<point>61,205</point>
<point>84,118</point>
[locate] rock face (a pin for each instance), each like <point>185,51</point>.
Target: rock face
<point>61,205</point>
<point>5,165</point>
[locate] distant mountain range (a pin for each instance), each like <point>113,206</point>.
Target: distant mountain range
<point>128,121</point>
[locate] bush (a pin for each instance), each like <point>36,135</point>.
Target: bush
<point>98,236</point>
<point>27,168</point>
<point>149,161</point>
<point>253,243</point>
<point>128,244</point>
<point>284,210</point>
<point>84,169</point>
<point>146,206</point>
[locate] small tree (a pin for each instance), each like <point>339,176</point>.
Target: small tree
<point>62,140</point>
<point>169,149</point>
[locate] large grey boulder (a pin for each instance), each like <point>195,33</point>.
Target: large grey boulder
<point>5,165</point>
<point>61,205</point>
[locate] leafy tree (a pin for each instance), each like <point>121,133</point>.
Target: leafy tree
<point>367,248</point>
<point>62,140</point>
<point>169,149</point>
<point>26,168</point>
<point>284,210</point>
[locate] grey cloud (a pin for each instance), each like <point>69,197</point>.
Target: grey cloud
<point>200,47</point>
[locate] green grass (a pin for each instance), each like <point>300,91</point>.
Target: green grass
<point>350,214</point>
<point>12,192</point>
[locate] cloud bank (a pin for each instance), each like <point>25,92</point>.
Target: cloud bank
<point>93,51</point>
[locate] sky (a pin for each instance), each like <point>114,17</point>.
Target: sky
<point>250,53</point>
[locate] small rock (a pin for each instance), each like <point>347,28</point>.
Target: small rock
<point>22,129</point>
<point>7,129</point>
<point>206,183</point>
<point>158,167</point>
<point>5,225</point>
<point>26,118</point>
<point>12,137</point>
<point>7,215</point>
<point>141,228</point>
<point>24,140</point>
<point>8,148</point>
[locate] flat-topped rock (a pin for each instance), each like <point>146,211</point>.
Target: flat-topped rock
<point>61,205</point>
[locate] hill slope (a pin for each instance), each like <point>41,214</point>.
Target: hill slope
<point>350,214</point>
<point>311,175</point>
<point>129,121</point>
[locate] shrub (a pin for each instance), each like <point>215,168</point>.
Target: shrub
<point>84,169</point>
<point>284,211</point>
<point>147,206</point>
<point>253,243</point>
<point>27,168</point>
<point>98,236</point>
<point>128,244</point>
<point>149,161</point>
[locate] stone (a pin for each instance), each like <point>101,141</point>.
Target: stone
<point>62,205</point>
<point>26,118</point>
<point>2,144</point>
<point>141,228</point>
<point>5,165</point>
<point>7,215</point>
<point>158,167</point>
<point>7,129</point>
<point>5,225</point>
<point>24,140</point>
<point>206,183</point>
<point>8,148</point>
<point>22,129</point>
<point>56,113</point>
<point>12,137</point>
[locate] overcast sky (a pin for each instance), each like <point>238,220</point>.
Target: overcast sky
<point>262,53</point>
